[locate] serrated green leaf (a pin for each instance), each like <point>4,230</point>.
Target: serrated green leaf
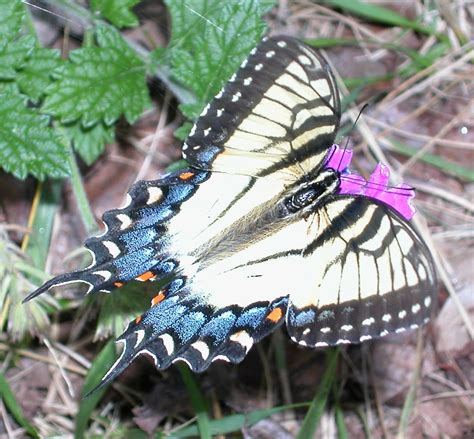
<point>13,55</point>
<point>9,87</point>
<point>210,39</point>
<point>191,111</point>
<point>99,84</point>
<point>89,142</point>
<point>183,131</point>
<point>12,13</point>
<point>36,74</point>
<point>117,11</point>
<point>28,145</point>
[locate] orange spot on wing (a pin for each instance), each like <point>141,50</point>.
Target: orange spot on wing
<point>118,284</point>
<point>138,319</point>
<point>146,276</point>
<point>275,315</point>
<point>186,175</point>
<point>157,299</point>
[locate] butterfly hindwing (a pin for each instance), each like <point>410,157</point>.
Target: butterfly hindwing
<point>373,276</point>
<point>182,327</point>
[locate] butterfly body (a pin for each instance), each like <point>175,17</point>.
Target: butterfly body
<point>263,228</point>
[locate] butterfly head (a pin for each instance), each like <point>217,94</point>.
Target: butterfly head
<point>311,194</point>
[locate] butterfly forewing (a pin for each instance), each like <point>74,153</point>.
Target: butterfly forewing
<point>281,107</point>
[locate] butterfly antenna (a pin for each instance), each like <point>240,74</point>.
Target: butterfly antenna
<point>350,132</point>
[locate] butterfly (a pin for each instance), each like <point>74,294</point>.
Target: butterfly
<point>264,227</point>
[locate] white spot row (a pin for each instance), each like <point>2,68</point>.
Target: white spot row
<point>368,322</point>
<point>112,248</point>
<point>125,220</point>
<point>154,194</point>
<point>236,97</point>
<point>221,357</point>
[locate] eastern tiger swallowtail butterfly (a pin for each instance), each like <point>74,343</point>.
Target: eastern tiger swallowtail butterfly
<point>263,227</point>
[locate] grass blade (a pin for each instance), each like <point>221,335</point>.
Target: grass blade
<point>234,423</point>
<point>14,408</point>
<point>316,408</point>
<point>97,370</point>
<point>379,14</point>
<point>198,402</point>
<point>410,400</point>
<point>340,424</point>
<point>466,174</point>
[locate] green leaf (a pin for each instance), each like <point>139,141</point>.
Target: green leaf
<point>89,142</point>
<point>28,145</point>
<point>13,55</point>
<point>14,408</point>
<point>183,131</point>
<point>12,13</point>
<point>210,40</point>
<point>191,111</point>
<point>36,74</point>
<point>99,367</point>
<point>117,11</point>
<point>99,84</point>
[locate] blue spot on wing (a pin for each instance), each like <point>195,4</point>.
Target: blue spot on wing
<point>133,264</point>
<point>251,317</point>
<point>137,239</point>
<point>303,318</point>
<point>188,325</point>
<point>178,193</point>
<point>151,216</point>
<point>219,326</point>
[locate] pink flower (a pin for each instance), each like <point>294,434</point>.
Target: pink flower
<point>397,197</point>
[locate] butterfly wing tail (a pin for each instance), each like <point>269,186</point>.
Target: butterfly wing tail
<point>135,242</point>
<point>62,279</point>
